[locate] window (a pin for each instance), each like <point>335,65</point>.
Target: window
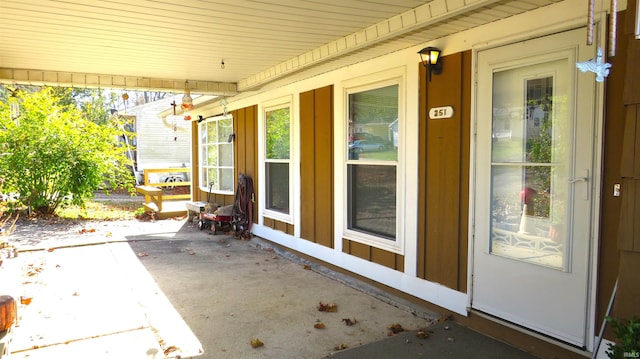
<point>277,159</point>
<point>372,161</point>
<point>216,154</point>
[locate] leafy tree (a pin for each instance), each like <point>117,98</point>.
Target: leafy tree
<point>53,155</point>
<point>278,137</point>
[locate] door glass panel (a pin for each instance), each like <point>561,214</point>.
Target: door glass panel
<point>529,184</point>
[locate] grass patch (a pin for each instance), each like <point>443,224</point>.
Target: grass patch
<point>102,210</point>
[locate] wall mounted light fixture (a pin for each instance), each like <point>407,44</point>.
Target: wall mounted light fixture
<point>430,57</point>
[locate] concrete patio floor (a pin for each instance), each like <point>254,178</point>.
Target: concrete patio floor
<point>140,290</point>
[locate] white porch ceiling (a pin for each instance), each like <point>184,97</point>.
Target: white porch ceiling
<point>160,44</point>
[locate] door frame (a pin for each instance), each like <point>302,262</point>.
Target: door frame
<point>596,191</point>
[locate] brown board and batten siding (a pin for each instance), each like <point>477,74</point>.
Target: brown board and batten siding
<point>278,225</point>
<point>316,166</point>
<point>373,254</point>
<point>627,304</point>
<point>245,126</point>
<point>443,192</point>
<point>608,255</point>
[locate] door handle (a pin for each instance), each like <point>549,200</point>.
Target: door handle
<point>579,179</point>
<point>582,179</point>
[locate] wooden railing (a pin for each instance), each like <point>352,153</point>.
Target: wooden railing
<point>152,196</point>
<point>166,184</point>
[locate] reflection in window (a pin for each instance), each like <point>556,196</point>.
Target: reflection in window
<point>216,154</point>
<point>529,172</point>
<point>372,161</point>
<point>277,155</point>
<point>373,124</point>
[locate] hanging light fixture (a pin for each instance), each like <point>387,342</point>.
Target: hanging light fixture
<point>430,57</point>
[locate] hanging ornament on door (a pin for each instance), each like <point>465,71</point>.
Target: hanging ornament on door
<point>598,65</point>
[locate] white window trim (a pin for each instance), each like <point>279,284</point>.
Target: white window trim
<point>202,185</point>
<point>274,104</point>
<point>390,77</point>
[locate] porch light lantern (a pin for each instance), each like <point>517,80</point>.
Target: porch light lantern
<point>430,57</point>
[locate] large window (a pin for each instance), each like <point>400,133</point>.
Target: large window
<point>277,158</point>
<point>216,154</point>
<point>372,161</point>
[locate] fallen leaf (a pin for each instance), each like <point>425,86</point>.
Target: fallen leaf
<point>422,334</point>
<point>256,343</point>
<point>51,249</point>
<point>319,325</point>
<point>349,322</point>
<point>143,254</point>
<point>170,349</point>
<point>109,234</point>
<point>191,251</point>
<point>340,346</point>
<point>25,300</point>
<point>75,294</point>
<point>307,267</point>
<point>445,318</point>
<point>331,308</point>
<point>395,328</point>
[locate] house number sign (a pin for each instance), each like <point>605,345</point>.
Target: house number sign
<point>437,113</point>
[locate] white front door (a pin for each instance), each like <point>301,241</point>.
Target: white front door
<point>533,200</point>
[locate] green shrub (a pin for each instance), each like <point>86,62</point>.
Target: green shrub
<point>52,155</point>
<point>627,333</point>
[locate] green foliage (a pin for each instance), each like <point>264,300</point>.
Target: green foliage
<point>278,138</point>
<point>628,338</point>
<point>54,155</point>
<point>539,151</point>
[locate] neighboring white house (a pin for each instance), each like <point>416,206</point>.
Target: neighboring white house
<point>162,140</point>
